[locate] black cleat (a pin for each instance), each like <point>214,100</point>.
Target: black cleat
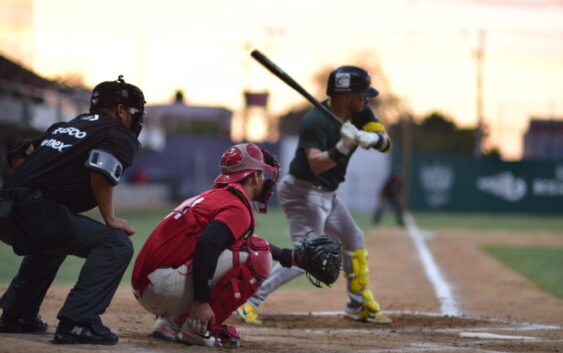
<point>69,332</point>
<point>11,324</point>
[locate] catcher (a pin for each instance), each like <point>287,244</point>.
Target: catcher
<point>202,261</point>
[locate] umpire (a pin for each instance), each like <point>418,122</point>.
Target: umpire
<point>71,169</point>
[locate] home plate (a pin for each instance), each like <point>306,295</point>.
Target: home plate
<point>494,336</point>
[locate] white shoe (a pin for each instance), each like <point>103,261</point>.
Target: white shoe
<point>166,327</point>
<point>222,336</point>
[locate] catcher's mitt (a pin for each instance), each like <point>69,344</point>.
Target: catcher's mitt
<point>321,258</point>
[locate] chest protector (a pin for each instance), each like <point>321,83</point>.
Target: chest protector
<point>244,279</point>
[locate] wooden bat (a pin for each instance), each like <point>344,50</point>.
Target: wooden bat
<point>282,75</point>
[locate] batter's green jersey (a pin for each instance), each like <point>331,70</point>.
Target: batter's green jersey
<point>320,131</point>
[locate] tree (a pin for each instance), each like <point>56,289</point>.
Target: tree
<point>436,133</point>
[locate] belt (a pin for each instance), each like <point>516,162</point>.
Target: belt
<point>318,187</point>
<point>314,186</point>
<point>19,193</point>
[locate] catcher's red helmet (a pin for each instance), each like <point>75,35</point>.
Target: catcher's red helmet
<point>240,161</point>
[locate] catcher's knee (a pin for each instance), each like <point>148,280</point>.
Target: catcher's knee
<point>359,278</point>
<point>243,279</point>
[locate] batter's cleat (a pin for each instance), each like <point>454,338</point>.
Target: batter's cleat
<point>365,316</point>
<point>12,324</point>
<point>69,332</point>
<point>249,313</point>
<point>166,327</point>
<point>222,336</point>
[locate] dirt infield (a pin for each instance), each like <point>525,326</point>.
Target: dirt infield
<point>502,311</point>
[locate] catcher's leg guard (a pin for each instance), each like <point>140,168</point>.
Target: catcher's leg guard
<point>240,283</point>
<point>368,309</point>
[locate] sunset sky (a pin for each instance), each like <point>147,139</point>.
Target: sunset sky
<point>425,49</point>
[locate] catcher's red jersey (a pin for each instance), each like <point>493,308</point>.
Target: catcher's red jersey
<point>173,241</point>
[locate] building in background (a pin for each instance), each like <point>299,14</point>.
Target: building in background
<point>182,118</point>
<point>193,137</point>
<point>544,139</point>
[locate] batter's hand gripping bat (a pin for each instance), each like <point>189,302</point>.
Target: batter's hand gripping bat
<point>282,75</point>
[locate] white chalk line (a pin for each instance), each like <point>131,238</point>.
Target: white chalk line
<point>441,286</point>
<point>488,335</point>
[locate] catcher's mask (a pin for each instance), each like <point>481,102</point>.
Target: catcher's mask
<point>350,79</point>
<point>109,94</point>
<point>241,160</point>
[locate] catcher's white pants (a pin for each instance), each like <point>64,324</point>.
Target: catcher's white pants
<point>170,291</point>
<point>312,212</point>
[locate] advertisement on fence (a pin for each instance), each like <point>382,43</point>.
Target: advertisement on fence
<point>458,184</point>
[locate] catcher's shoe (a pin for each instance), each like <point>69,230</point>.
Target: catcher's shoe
<point>365,316</point>
<point>12,324</point>
<point>220,336</point>
<point>166,327</point>
<point>249,313</point>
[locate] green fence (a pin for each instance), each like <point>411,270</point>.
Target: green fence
<point>461,184</point>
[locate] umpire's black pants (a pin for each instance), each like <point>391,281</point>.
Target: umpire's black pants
<point>107,252</point>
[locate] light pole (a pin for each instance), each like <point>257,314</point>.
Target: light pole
<point>479,131</point>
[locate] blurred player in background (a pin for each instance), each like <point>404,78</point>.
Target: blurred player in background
<point>390,195</point>
<point>71,169</point>
<point>308,193</point>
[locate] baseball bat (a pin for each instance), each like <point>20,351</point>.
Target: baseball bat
<point>282,75</point>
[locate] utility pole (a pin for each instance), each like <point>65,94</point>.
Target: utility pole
<point>480,129</point>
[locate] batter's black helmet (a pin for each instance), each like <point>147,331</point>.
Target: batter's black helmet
<point>109,94</point>
<point>350,79</point>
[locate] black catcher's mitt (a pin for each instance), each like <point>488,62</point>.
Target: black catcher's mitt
<point>321,258</point>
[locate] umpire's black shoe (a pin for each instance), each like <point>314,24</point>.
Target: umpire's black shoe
<point>12,324</point>
<point>69,332</point>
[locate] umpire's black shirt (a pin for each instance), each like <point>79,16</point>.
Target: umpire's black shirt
<point>57,165</point>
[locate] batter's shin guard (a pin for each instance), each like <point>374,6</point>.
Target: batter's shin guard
<point>359,278</point>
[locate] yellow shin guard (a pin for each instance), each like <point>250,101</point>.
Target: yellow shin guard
<point>359,277</point>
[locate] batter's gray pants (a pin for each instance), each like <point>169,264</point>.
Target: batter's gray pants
<point>312,212</point>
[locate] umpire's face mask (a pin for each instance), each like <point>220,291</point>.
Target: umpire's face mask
<point>137,119</point>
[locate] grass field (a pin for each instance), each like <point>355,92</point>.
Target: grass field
<point>273,226</point>
<point>540,265</point>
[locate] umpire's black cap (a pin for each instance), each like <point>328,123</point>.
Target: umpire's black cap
<point>350,79</point>
<point>109,94</point>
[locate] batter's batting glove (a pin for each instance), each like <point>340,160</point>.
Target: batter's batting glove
<point>347,141</point>
<point>321,258</point>
<point>366,139</point>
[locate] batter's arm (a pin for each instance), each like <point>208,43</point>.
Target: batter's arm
<point>319,161</point>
